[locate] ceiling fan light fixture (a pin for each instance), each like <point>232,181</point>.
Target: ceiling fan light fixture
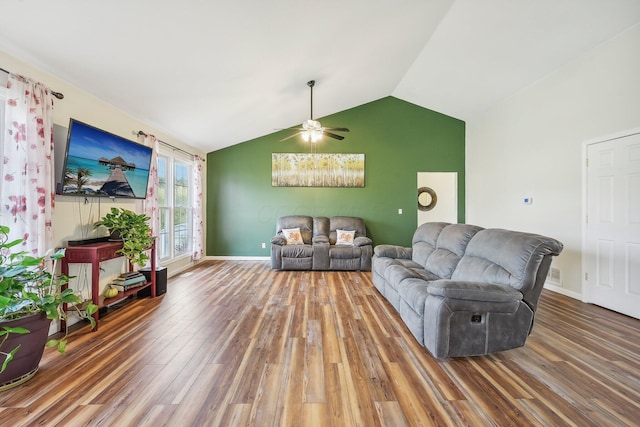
<point>311,125</point>
<point>313,135</point>
<point>312,130</point>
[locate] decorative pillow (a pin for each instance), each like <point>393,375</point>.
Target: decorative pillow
<point>293,236</point>
<point>344,237</point>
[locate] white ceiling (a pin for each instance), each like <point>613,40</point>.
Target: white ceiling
<point>213,73</point>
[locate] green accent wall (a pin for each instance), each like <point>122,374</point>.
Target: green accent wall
<point>398,139</point>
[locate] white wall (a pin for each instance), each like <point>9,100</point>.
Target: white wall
<point>72,217</point>
<point>531,145</point>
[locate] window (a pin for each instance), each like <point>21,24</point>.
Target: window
<point>175,195</point>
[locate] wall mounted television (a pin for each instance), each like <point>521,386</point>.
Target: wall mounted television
<point>99,163</point>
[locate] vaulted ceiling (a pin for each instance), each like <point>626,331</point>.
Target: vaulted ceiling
<point>215,73</point>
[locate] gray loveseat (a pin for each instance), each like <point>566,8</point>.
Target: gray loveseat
<point>463,290</point>
<point>320,247</point>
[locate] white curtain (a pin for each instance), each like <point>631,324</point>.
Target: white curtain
<point>198,225</point>
<point>27,189</point>
<point>151,202</point>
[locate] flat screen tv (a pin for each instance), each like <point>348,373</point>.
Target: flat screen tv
<point>99,163</point>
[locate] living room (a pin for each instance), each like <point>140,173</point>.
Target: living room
<point>527,144</point>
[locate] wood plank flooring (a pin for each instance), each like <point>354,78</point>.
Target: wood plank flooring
<point>233,343</point>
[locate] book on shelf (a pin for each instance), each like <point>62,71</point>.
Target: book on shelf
<point>124,288</point>
<point>130,274</point>
<point>130,281</point>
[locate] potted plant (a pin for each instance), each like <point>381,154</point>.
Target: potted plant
<point>134,231</point>
<point>30,298</point>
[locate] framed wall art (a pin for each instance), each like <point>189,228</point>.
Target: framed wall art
<point>317,170</point>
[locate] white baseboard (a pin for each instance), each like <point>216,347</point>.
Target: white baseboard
<point>237,258</point>
<point>559,289</point>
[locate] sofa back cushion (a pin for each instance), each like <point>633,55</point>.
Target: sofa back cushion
<point>424,241</point>
<point>303,222</point>
<point>450,247</point>
<point>347,223</point>
<point>320,226</point>
<point>505,257</point>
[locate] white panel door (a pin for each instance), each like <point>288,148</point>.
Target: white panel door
<point>612,244</point>
<point>444,207</point>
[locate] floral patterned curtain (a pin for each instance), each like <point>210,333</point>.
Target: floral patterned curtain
<point>27,188</point>
<point>151,202</point>
<point>197,208</point>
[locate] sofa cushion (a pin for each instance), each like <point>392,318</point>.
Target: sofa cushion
<point>344,252</point>
<point>297,251</point>
<point>424,274</point>
<point>396,273</point>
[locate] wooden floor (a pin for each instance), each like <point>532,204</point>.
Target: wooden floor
<point>233,343</point>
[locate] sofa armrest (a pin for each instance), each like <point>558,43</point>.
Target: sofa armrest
<point>473,291</point>
<point>393,251</point>
<point>362,241</point>
<point>278,240</point>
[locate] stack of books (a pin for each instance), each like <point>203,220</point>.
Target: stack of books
<point>127,281</point>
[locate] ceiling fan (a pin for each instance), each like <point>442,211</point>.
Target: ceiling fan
<point>312,130</point>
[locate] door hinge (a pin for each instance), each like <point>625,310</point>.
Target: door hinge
<point>586,276</point>
<point>587,160</point>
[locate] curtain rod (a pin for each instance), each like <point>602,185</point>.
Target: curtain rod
<point>54,93</point>
<point>166,144</point>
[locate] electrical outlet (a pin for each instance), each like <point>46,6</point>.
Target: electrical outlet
<point>399,211</point>
<point>264,245</point>
<point>527,200</point>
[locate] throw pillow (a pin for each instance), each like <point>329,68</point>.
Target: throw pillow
<point>293,236</point>
<point>344,237</point>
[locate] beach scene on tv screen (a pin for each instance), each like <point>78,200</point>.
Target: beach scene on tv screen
<point>101,164</point>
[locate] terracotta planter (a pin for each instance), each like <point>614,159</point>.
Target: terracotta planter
<point>26,361</point>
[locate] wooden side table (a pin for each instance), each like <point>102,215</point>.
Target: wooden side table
<point>94,254</point>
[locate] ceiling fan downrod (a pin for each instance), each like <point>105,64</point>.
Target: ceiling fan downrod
<point>311,84</point>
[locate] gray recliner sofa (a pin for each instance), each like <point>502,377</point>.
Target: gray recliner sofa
<point>320,248</point>
<point>463,290</point>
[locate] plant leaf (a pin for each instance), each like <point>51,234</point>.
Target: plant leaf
<point>9,358</point>
<point>91,309</point>
<point>16,330</point>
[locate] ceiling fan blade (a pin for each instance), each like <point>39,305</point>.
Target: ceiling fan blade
<point>333,135</point>
<point>291,136</point>
<point>339,129</point>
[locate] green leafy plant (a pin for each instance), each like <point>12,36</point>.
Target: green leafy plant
<point>133,229</point>
<point>29,285</point>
